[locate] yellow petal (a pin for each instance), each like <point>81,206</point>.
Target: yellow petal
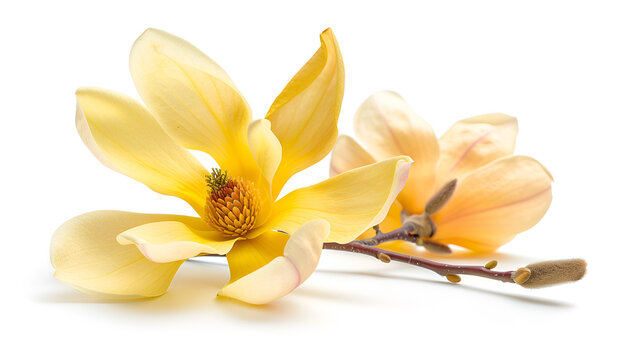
<point>86,255</point>
<point>494,203</point>
<point>387,126</point>
<point>351,202</point>
<point>265,147</point>
<point>194,99</point>
<point>391,221</point>
<point>347,155</point>
<point>472,143</point>
<point>167,241</point>
<point>124,136</point>
<point>304,116</point>
<point>285,272</point>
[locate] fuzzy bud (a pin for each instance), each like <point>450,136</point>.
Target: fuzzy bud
<point>437,201</point>
<point>549,273</point>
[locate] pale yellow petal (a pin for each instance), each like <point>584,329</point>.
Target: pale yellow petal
<point>285,272</point>
<point>86,256</point>
<point>194,99</point>
<point>304,116</point>
<point>391,221</point>
<point>125,137</point>
<point>347,155</point>
<point>494,203</point>
<point>167,241</point>
<point>265,147</point>
<point>351,202</point>
<point>472,143</point>
<point>387,126</point>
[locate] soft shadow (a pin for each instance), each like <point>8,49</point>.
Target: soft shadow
<point>515,297</point>
<point>194,285</point>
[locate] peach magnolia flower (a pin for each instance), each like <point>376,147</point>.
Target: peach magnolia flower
<point>498,194</point>
<point>192,103</point>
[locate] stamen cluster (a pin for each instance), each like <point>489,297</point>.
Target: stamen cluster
<point>231,204</point>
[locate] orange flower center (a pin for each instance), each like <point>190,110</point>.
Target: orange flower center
<point>231,204</point>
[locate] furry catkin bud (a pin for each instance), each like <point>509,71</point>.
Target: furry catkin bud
<point>553,272</point>
<point>421,225</point>
<point>435,247</point>
<point>437,201</point>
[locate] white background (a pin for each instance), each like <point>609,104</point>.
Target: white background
<point>561,67</point>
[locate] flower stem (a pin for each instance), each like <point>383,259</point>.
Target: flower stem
<point>439,268</point>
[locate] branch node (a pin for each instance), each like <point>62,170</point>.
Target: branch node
<point>453,278</point>
<point>384,257</point>
<point>491,264</point>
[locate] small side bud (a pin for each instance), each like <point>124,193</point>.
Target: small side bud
<point>453,278</point>
<point>554,272</point>
<point>436,247</point>
<point>521,275</point>
<point>491,264</point>
<point>384,257</point>
<point>437,201</point>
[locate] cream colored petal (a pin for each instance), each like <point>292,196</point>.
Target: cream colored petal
<point>265,147</point>
<point>284,273</point>
<point>351,202</point>
<point>347,155</point>
<point>304,116</point>
<point>472,143</point>
<point>86,256</point>
<point>387,126</point>
<point>167,241</point>
<point>194,99</point>
<point>125,137</point>
<point>494,203</point>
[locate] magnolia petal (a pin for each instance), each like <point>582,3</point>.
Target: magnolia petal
<point>351,202</point>
<point>304,116</point>
<point>86,256</point>
<point>167,241</point>
<point>265,147</point>
<point>347,155</point>
<point>494,203</point>
<point>285,272</point>
<point>388,126</point>
<point>472,143</point>
<point>123,135</point>
<point>193,98</point>
<point>391,221</point>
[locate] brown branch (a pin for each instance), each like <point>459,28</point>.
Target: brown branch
<point>402,233</point>
<point>439,268</point>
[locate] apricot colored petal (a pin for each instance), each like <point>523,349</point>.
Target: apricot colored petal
<point>194,99</point>
<point>351,202</point>
<point>280,275</point>
<point>494,203</point>
<point>124,136</point>
<point>347,155</point>
<point>304,116</point>
<point>472,143</point>
<point>86,256</point>
<point>167,241</point>
<point>387,126</point>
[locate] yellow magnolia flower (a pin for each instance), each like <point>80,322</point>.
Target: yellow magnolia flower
<point>498,194</point>
<point>192,103</point>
